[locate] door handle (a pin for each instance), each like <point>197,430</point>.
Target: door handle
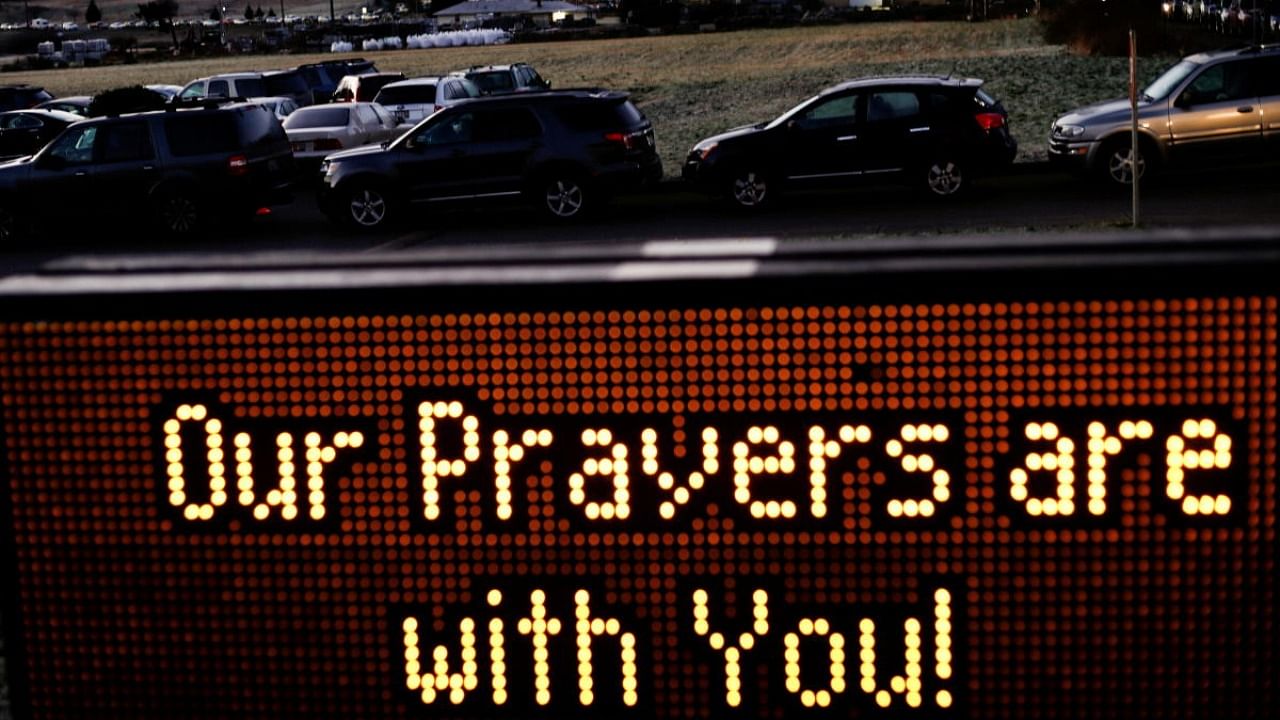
<point>844,138</point>
<point>148,168</point>
<point>1244,109</point>
<point>919,129</point>
<point>81,173</point>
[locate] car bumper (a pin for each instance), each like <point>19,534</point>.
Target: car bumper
<point>1071,154</point>
<point>631,175</point>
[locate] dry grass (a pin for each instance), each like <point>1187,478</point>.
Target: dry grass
<point>695,85</point>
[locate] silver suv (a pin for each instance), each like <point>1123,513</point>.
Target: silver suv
<point>1213,108</point>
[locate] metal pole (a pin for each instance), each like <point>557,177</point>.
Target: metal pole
<point>1133,105</point>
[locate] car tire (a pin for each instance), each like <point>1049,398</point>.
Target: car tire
<point>750,189</point>
<point>945,177</point>
<point>177,213</point>
<point>564,196</point>
<point>365,207</point>
<point>1116,162</point>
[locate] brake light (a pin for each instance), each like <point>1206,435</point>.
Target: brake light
<point>238,165</point>
<point>990,121</point>
<point>627,140</point>
<point>328,144</point>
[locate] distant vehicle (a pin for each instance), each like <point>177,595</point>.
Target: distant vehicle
<point>1214,108</point>
<point>24,132</point>
<point>21,97</point>
<point>499,79</point>
<point>565,151</point>
<point>414,100</point>
<point>323,77</point>
<point>169,91</point>
<point>130,99</point>
<point>318,130</point>
<point>281,106</point>
<point>288,83</point>
<point>171,171</point>
<point>76,104</point>
<point>935,132</point>
<point>363,86</point>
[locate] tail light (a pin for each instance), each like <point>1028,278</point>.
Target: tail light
<point>238,165</point>
<point>989,121</point>
<point>328,144</point>
<point>630,141</point>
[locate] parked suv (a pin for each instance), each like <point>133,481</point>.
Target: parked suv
<point>413,100</point>
<point>21,97</point>
<point>1211,108</point>
<point>935,131</point>
<point>277,83</point>
<point>563,150</point>
<point>499,79</point>
<point>174,168</point>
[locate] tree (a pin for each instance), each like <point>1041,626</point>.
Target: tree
<point>216,13</point>
<point>92,14</point>
<point>258,14</point>
<point>163,12</point>
<point>248,11</point>
<point>271,12</point>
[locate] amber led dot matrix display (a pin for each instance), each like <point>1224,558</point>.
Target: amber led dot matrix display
<point>1045,491</point>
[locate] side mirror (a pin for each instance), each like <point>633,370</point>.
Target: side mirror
<point>546,84</point>
<point>1183,101</point>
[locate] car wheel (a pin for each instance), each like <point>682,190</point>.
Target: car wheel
<point>564,197</point>
<point>177,213</point>
<point>750,189</point>
<point>945,177</point>
<point>365,207</point>
<point>1117,163</point>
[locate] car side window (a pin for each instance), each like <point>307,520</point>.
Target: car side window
<point>193,90</point>
<point>505,125</point>
<point>447,130</point>
<point>24,122</point>
<point>75,146</point>
<point>835,112</point>
<point>124,142</point>
<point>892,105</point>
<point>219,88</point>
<point>1219,83</point>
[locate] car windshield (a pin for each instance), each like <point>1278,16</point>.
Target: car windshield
<point>325,116</point>
<point>784,117</point>
<point>495,81</point>
<point>1171,78</point>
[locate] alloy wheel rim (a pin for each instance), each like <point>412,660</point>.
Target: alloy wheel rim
<point>750,189</point>
<point>368,208</point>
<point>1121,166</point>
<point>945,178</point>
<point>180,214</point>
<point>564,198</point>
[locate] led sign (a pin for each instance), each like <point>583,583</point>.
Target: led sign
<point>822,492</point>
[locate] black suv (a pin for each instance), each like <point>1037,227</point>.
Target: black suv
<point>21,97</point>
<point>499,79</point>
<point>564,150</point>
<point>175,168</point>
<point>935,131</point>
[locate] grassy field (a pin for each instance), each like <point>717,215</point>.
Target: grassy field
<point>695,85</point>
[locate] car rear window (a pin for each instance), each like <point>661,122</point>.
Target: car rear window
<point>202,134</point>
<point>407,95</point>
<point>581,117</point>
<point>259,128</point>
<point>290,83</point>
<point>324,116</point>
<point>496,80</point>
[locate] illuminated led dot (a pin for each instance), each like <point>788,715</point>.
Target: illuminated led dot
<point>893,448</point>
<point>1190,505</point>
<point>1222,505</point>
